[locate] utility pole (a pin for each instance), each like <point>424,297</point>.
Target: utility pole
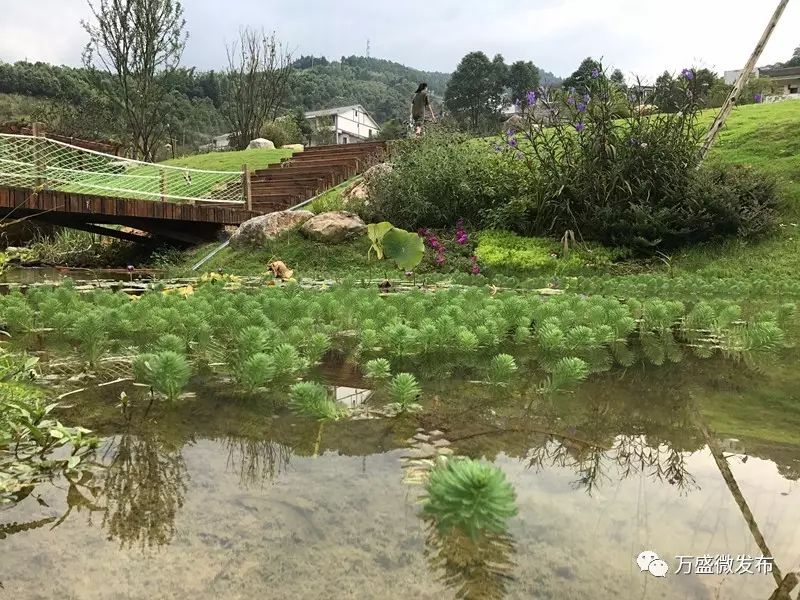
<point>726,109</point>
<point>367,47</point>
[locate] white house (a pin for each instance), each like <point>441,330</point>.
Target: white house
<point>349,124</point>
<point>730,77</point>
<point>783,83</point>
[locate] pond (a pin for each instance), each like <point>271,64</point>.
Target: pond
<point>227,496</point>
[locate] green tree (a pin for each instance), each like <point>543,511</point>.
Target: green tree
<point>139,44</point>
<point>523,76</point>
<point>393,129</point>
<point>475,91</point>
<point>618,78</point>
<point>580,79</point>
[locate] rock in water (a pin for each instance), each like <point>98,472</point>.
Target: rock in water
<point>260,143</point>
<point>333,227</point>
<point>257,231</point>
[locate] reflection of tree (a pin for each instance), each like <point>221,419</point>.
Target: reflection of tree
<point>144,486</point>
<point>628,455</point>
<point>256,460</point>
<point>479,568</point>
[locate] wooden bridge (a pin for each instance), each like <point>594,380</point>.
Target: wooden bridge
<point>186,221</point>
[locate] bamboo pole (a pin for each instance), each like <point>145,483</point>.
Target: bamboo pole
<point>727,107</point>
<point>163,185</point>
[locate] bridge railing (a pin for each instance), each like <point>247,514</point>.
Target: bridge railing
<point>41,163</point>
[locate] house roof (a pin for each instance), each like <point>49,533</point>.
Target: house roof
<point>333,111</point>
<point>781,72</point>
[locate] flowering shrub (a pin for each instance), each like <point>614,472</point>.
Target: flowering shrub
<point>449,254</point>
<point>633,181</point>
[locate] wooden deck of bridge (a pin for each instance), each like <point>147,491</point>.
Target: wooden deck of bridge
<point>275,188</point>
<point>187,223</point>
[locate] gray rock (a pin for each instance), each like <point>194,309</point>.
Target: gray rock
<point>261,143</point>
<point>258,230</point>
<point>376,172</point>
<point>333,227</point>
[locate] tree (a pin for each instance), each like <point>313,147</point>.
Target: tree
<point>393,129</point>
<point>579,80</point>
<point>138,43</point>
<point>259,69</point>
<point>298,115</point>
<point>523,76</point>
<point>618,78</point>
<point>474,92</point>
<point>795,60</point>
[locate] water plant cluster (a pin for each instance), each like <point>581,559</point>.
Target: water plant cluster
<point>271,338</point>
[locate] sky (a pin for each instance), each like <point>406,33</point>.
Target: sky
<point>641,37</point>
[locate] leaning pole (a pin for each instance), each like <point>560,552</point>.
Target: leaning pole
<point>741,81</point>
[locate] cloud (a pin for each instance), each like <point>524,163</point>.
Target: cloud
<point>641,37</point>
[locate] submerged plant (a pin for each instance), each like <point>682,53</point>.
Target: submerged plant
<point>167,372</point>
<point>470,496</point>
<point>378,369</point>
<point>287,361</point>
<point>501,369</point>
<point>404,392</point>
<point>171,342</point>
<point>310,399</point>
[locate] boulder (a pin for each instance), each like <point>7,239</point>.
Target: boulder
<point>357,194</point>
<point>515,123</point>
<point>376,172</point>
<point>257,231</point>
<point>261,143</point>
<point>333,227</point>
<point>293,147</point>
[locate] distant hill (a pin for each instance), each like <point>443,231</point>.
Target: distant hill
<point>383,87</point>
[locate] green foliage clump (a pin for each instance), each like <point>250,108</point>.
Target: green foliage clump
<point>256,371</point>
<point>566,373</point>
<point>440,178</point>
<point>470,496</point>
<point>310,399</point>
<point>511,251</point>
<point>501,369</point>
<point>378,369</point>
<point>404,391</point>
<point>167,372</point>
<point>635,181</point>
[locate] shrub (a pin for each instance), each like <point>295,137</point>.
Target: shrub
<point>281,132</point>
<point>633,181</point>
<point>442,177</point>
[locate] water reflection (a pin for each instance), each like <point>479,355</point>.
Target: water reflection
<point>258,461</point>
<point>144,487</point>
<point>477,568</point>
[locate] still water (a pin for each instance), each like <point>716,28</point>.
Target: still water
<point>230,497</point>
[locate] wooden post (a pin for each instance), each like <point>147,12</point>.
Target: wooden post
<point>726,109</point>
<point>37,131</point>
<point>163,186</point>
<point>248,188</point>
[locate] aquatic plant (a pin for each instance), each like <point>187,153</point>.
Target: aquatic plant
<point>171,342</point>
<point>565,373</point>
<point>287,361</point>
<point>166,372</point>
<point>470,496</point>
<point>89,331</point>
<point>501,369</point>
<point>378,369</point>
<point>256,371</point>
<point>310,399</point>
<point>404,391</point>
<point>315,347</point>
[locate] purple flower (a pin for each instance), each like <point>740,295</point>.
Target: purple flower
<point>586,98</point>
<point>570,100</point>
<point>440,259</point>
<point>531,98</point>
<point>511,133</point>
<point>130,268</point>
<point>581,107</point>
<point>758,98</point>
<point>476,270</point>
<point>579,126</point>
<point>688,74</point>
<point>595,73</point>
<point>512,142</point>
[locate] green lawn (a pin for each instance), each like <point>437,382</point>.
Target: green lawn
<point>230,161</point>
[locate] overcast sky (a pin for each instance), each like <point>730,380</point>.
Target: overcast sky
<point>639,36</point>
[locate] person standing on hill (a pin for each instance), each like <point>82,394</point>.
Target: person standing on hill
<point>418,106</point>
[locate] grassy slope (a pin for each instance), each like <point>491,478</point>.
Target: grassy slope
<point>764,137</point>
